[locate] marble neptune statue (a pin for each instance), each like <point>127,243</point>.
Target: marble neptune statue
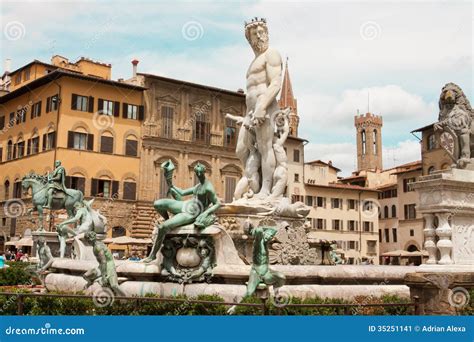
<point>264,78</point>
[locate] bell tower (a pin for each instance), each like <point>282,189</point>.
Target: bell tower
<point>288,100</point>
<point>369,141</point>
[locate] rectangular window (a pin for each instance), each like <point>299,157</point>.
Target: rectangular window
<point>230,183</point>
<point>80,102</point>
<point>18,78</point>
<point>367,226</point>
<point>52,103</point>
<point>321,202</point>
<point>296,156</point>
<point>387,235</point>
<point>27,74</point>
<point>167,114</point>
<point>336,203</point>
<point>80,141</point>
<point>21,115</point>
<point>132,112</point>
<point>407,187</point>
<point>11,120</point>
<point>230,133</point>
<point>412,232</point>
<point>131,147</point>
<point>352,244</point>
<point>129,190</point>
<point>17,190</point>
<point>410,211</point>
<point>36,110</point>
<point>106,144</point>
<point>394,234</point>
<point>309,200</point>
<point>77,183</point>
<point>297,178</point>
<point>202,130</point>
<point>337,224</point>
<point>351,225</point>
<point>108,108</point>
<point>104,188</point>
<point>351,204</point>
<point>320,223</point>
<point>49,141</point>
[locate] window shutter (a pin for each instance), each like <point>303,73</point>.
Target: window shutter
<point>74,102</point>
<point>94,186</point>
<point>131,147</point>
<point>81,182</point>
<point>90,142</point>
<point>129,190</point>
<point>141,113</point>
<point>14,151</point>
<point>70,139</point>
<point>124,110</point>
<point>106,144</point>
<point>100,105</point>
<point>115,189</point>
<point>44,142</point>
<point>28,147</point>
<point>48,104</point>
<point>53,139</point>
<point>116,108</point>
<point>91,104</point>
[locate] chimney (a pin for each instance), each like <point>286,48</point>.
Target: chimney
<point>8,65</point>
<point>135,63</point>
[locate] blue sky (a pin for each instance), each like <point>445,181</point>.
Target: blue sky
<point>401,53</point>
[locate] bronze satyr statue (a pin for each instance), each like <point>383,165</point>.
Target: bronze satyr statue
<point>198,210</point>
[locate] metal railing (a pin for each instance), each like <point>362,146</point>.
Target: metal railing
<point>263,306</point>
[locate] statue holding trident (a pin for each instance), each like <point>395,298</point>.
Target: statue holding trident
<point>264,78</point>
<point>198,210</point>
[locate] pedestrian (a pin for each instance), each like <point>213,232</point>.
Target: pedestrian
<point>2,261</point>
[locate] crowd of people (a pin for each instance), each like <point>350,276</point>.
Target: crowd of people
<point>15,256</point>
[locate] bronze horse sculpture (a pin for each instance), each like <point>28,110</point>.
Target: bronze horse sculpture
<point>39,189</point>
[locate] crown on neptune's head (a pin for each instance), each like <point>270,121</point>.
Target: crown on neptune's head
<point>255,21</point>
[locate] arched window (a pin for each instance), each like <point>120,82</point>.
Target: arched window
<point>20,148</point>
<point>131,146</point>
<point>10,150</point>
<point>431,169</point>
<point>364,141</point>
<point>118,231</point>
<point>385,212</point>
<point>107,143</point>
<point>374,143</point>
<point>394,211</point>
<point>7,189</point>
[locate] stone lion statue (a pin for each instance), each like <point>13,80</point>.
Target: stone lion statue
<point>455,118</point>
